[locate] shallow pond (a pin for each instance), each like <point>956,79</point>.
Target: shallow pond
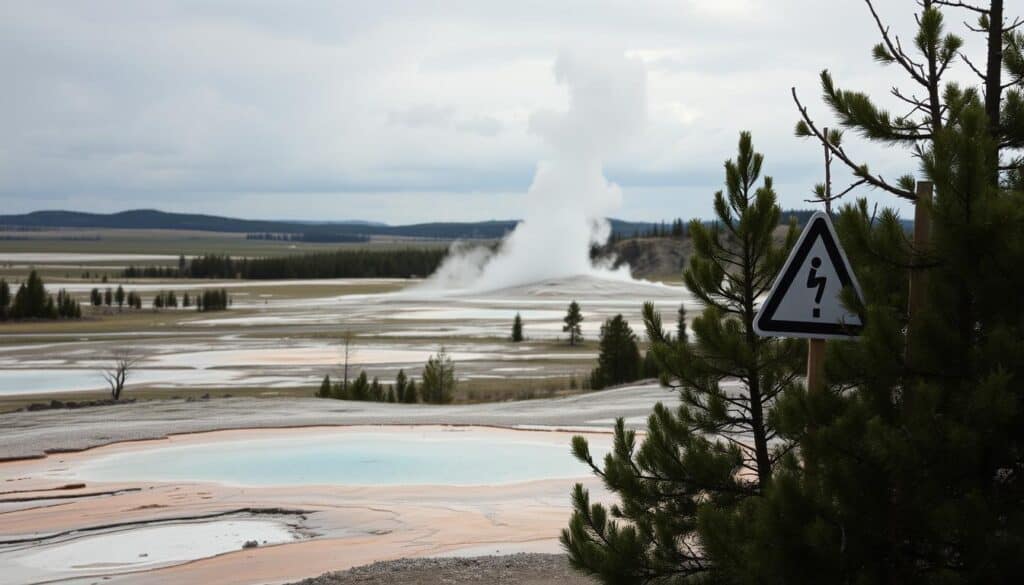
<point>431,456</point>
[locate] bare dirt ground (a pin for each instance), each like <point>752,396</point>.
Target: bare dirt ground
<point>519,569</point>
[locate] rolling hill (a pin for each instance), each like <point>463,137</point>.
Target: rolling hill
<point>155,219</point>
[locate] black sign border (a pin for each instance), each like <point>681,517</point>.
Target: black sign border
<point>766,322</point>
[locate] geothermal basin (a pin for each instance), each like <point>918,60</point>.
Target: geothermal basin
<point>308,500</point>
<point>366,457</point>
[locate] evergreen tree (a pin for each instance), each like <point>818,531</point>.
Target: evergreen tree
<point>108,297</point>
<point>391,394</point>
<point>438,385</point>
<point>681,335</point>
<point>619,359</point>
<point>376,390</point>
<point>5,300</point>
<point>719,448</point>
<point>359,389</point>
<point>411,393</point>
<point>67,307</point>
<point>911,456</point>
<point>325,388</point>
<point>186,301</point>
<point>401,383</point>
<point>95,297</point>
<point>31,300</point>
<point>573,318</point>
<point>158,300</point>
<point>119,297</point>
<point>517,329</point>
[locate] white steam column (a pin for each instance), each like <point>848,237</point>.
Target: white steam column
<point>565,208</point>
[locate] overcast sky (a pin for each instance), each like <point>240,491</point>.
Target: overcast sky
<point>405,111</point>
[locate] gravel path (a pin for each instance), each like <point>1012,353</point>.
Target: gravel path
<point>519,569</point>
<point>33,434</point>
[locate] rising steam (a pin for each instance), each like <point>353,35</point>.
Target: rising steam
<point>567,203</point>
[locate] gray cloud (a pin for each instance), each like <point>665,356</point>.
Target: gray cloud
<point>225,105</point>
<point>424,116</point>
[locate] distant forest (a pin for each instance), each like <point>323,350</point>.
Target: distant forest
<point>361,263</point>
<point>307,231</point>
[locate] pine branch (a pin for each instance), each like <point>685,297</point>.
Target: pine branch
<point>858,170</point>
<point>958,4</point>
<point>976,71</point>
<point>915,70</point>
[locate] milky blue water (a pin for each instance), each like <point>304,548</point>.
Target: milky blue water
<point>434,457</point>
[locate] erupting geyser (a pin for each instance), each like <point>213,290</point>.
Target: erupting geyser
<point>566,207</point>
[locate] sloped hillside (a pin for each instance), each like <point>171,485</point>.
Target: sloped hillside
<point>652,258</point>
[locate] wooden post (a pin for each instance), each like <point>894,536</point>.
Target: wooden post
<point>815,364</point>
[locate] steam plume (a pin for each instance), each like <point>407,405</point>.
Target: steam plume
<point>569,198</point>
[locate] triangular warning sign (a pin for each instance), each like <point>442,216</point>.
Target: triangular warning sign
<point>805,299</point>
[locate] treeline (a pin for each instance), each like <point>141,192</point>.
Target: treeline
<point>209,300</point>
<point>678,229</point>
<point>33,302</point>
<point>110,297</point>
<point>402,263</point>
<point>311,237</point>
<point>675,229</point>
<point>363,389</point>
<point>437,385</point>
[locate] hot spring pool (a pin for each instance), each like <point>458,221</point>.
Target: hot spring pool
<point>386,457</point>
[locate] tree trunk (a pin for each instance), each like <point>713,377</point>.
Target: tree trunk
<point>994,67</point>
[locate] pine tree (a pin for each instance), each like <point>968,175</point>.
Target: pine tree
<point>359,389</point>
<point>376,390</point>
<point>911,457</point>
<point>401,383</point>
<point>186,301</point>
<point>67,307</point>
<point>108,297</point>
<point>619,359</point>
<point>517,329</point>
<point>438,385</point>
<point>325,388</point>
<point>119,297</point>
<point>411,393</point>
<point>573,318</point>
<point>95,297</point>
<point>681,335</point>
<point>5,300</point>
<point>31,300</point>
<point>719,448</point>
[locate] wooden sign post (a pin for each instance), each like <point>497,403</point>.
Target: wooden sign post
<point>815,364</point>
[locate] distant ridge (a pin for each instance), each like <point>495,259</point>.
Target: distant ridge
<point>315,230</point>
<point>155,219</point>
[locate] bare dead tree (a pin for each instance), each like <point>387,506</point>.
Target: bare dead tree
<point>116,372</point>
<point>347,339</point>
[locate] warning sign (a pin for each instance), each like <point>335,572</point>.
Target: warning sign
<point>805,299</point>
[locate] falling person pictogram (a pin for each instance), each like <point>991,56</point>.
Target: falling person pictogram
<point>813,280</point>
